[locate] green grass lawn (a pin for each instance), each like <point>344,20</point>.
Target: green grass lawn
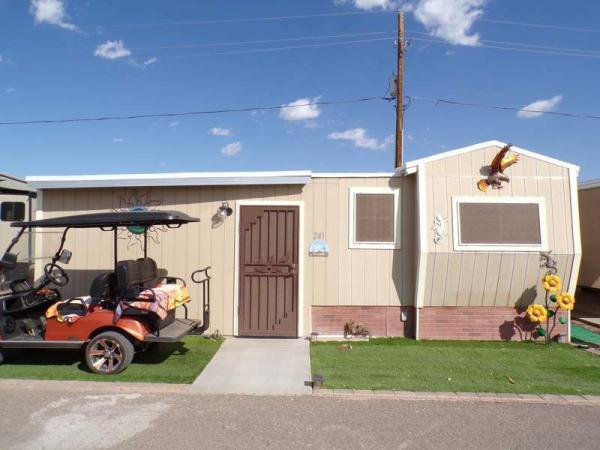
<point>408,365</point>
<point>180,362</point>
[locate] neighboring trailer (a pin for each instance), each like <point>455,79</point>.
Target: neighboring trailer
<point>17,203</point>
<point>589,213</point>
<point>295,253</point>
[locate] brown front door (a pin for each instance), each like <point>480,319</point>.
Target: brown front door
<point>268,296</point>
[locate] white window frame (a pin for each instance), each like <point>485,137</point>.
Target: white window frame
<point>459,246</point>
<point>352,243</point>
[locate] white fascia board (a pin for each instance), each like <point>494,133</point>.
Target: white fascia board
<point>354,174</point>
<point>590,184</point>
<point>169,179</point>
<point>485,144</point>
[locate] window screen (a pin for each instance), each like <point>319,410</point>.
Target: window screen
<point>500,223</point>
<point>374,215</point>
<point>12,211</point>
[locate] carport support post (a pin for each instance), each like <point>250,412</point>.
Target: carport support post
<point>115,246</point>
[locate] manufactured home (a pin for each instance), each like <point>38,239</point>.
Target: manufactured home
<point>17,203</point>
<point>589,210</point>
<point>429,251</point>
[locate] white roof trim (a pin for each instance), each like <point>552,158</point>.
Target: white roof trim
<point>354,174</point>
<point>589,184</point>
<point>485,144</point>
<point>169,179</point>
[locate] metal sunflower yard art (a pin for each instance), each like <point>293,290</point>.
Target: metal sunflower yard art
<point>545,315</point>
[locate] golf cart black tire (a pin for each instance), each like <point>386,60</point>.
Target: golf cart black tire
<point>126,347</point>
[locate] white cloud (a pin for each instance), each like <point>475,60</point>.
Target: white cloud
<point>450,20</point>
<point>152,60</point>
<point>9,90</point>
<point>369,4</point>
<point>232,149</point>
<point>541,105</point>
<point>52,12</point>
<point>300,109</point>
<point>118,140</point>
<point>4,60</point>
<point>361,139</point>
<point>173,125</point>
<point>217,131</point>
<point>112,50</point>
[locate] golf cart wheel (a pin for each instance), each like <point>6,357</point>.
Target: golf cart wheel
<point>109,353</point>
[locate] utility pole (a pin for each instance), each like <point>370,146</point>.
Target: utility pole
<point>400,92</point>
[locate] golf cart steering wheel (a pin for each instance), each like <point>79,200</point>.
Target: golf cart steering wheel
<point>56,274</point>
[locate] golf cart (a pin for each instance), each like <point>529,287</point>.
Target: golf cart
<point>127,309</point>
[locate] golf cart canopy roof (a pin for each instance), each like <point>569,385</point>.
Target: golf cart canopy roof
<point>111,220</point>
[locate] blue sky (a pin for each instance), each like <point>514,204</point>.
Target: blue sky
<point>63,59</point>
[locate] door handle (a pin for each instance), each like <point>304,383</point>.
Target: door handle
<point>292,269</point>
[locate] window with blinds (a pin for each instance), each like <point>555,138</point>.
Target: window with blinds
<point>373,220</point>
<point>515,224</point>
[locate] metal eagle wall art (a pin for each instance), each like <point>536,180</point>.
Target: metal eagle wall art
<point>503,159</point>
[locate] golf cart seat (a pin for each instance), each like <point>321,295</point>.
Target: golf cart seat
<point>133,276</point>
<point>140,287</point>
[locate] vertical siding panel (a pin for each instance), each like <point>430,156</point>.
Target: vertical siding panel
<point>192,253</point>
<point>558,213</point>
<point>319,221</point>
<point>517,285</point>
<point>478,281</point>
<point>310,206</point>
<point>568,211</point>
<point>505,274</point>
<point>218,258</point>
<point>545,190</point>
<point>491,279</point>
<point>467,272</point>
<point>334,221</point>
<point>343,252</point>
<point>358,260</point>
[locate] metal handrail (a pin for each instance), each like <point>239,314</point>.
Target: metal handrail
<point>205,285</point>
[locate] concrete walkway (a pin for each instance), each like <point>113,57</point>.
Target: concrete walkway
<point>258,366</point>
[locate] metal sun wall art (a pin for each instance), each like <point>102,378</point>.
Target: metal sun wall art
<point>135,235</point>
<point>440,228</point>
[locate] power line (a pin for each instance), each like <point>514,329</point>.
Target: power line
<point>230,52</point>
<point>279,107</point>
<point>539,25</point>
<point>191,113</point>
<point>240,20</point>
<point>226,43</point>
<point>504,108</point>
<point>580,53</point>
<point>519,44</point>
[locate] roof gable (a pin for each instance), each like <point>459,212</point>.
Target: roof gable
<point>486,144</point>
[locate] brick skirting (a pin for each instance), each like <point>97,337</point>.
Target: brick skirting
<point>486,323</point>
<point>489,323</point>
<point>380,320</point>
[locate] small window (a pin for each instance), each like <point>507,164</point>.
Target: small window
<point>12,211</point>
<point>373,218</point>
<point>508,224</point>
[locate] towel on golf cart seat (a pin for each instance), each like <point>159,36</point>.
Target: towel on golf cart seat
<point>160,299</point>
<point>69,315</point>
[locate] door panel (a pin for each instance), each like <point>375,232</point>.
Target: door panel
<point>268,296</point>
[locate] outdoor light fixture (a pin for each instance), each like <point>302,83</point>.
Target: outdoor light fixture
<point>224,210</point>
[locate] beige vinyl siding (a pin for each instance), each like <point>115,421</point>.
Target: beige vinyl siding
<point>589,211</point>
<point>468,278</point>
<point>345,277</point>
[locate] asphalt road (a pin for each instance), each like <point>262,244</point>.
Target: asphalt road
<point>63,416</point>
